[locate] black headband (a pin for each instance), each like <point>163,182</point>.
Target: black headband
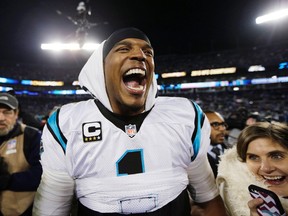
<point>121,35</point>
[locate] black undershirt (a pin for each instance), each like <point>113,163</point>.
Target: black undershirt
<point>121,120</point>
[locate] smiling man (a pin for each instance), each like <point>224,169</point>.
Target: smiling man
<point>126,151</point>
<point>128,79</point>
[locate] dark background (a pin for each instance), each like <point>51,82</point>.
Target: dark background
<point>174,27</point>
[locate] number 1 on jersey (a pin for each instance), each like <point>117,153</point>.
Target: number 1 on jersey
<point>131,162</point>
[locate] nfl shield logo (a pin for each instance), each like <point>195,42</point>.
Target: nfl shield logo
<point>130,130</point>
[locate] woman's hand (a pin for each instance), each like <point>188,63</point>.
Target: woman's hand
<point>252,204</point>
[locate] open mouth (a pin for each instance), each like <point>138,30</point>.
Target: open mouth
<point>274,180</point>
<point>135,80</point>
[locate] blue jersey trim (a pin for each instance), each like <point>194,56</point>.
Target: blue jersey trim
<point>198,122</point>
<point>54,129</point>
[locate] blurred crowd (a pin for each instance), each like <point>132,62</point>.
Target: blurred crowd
<point>270,101</point>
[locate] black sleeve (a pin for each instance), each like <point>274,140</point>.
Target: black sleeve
<point>29,180</point>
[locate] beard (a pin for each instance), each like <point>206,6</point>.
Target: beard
<point>6,130</point>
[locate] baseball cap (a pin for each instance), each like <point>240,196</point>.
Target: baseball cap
<point>8,100</point>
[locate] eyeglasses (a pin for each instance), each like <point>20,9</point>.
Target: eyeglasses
<point>216,125</point>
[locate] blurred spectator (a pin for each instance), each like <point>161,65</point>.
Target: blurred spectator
<point>29,119</point>
<point>232,137</point>
<point>237,122</point>
<point>252,118</point>
<point>20,168</point>
<point>26,117</point>
<point>237,119</point>
<point>217,137</point>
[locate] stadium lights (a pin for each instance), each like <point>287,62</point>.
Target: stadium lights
<point>272,16</point>
<point>173,74</point>
<point>256,68</point>
<point>42,83</point>
<point>69,46</point>
<point>215,71</point>
<point>182,86</point>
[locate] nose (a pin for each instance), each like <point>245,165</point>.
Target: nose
<point>266,166</point>
<point>138,54</point>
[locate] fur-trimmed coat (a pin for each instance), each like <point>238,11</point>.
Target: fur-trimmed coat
<point>233,180</point>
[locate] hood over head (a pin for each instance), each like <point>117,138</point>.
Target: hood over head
<point>91,77</point>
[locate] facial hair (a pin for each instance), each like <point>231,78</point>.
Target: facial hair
<point>6,130</point>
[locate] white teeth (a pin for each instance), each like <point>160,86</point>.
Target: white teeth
<point>272,177</point>
<point>139,88</point>
<point>135,71</point>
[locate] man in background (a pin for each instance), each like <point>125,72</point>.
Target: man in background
<point>25,117</point>
<point>217,137</point>
<point>20,168</point>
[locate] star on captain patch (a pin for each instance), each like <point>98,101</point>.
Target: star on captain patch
<point>130,130</point>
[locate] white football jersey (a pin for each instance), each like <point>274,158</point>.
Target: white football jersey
<point>130,169</point>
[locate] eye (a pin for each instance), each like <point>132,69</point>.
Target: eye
<point>252,157</point>
<point>215,124</point>
<point>277,156</point>
<point>8,112</point>
<point>123,49</point>
<point>148,52</point>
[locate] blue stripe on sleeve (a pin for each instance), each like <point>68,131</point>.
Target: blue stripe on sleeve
<point>196,138</point>
<point>54,129</point>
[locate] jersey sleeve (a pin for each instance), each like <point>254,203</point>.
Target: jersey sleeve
<point>56,188</point>
<point>202,185</point>
<point>54,195</point>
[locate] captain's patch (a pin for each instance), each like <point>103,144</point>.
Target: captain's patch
<point>92,131</point>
